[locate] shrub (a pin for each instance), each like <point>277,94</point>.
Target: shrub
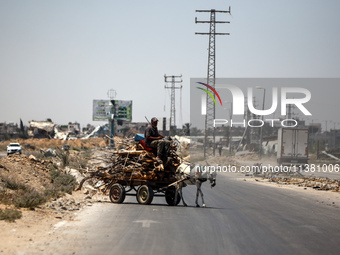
<point>87,154</point>
<point>63,182</point>
<point>54,174</point>
<point>30,199</point>
<point>6,197</point>
<point>10,215</point>
<point>53,167</point>
<point>53,192</point>
<point>78,162</point>
<point>13,184</point>
<point>64,156</point>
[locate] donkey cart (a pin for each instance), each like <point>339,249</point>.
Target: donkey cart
<point>144,190</point>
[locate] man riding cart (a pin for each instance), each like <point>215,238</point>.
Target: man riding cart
<point>153,139</point>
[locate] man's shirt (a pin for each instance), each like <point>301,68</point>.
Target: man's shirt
<point>150,131</point>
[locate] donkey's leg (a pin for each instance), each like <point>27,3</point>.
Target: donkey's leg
<point>203,204</point>
<point>178,188</point>
<point>198,185</point>
<point>181,194</point>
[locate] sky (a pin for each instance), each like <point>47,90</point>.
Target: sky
<point>56,57</point>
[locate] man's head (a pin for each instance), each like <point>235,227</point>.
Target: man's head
<point>154,121</point>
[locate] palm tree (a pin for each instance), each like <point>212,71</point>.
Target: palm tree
<point>186,129</point>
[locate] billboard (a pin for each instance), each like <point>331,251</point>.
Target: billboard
<point>122,109</point>
<point>103,110</point>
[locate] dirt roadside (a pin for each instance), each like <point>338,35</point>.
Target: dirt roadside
<point>38,225</point>
<point>37,228</point>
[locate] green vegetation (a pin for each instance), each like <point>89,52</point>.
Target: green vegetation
<point>13,184</point>
<point>19,190</point>
<point>22,196</point>
<point>10,215</point>
<point>30,199</point>
<point>63,182</point>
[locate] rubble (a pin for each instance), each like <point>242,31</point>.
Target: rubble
<point>50,153</point>
<point>317,183</point>
<point>41,129</point>
<point>331,156</point>
<point>27,169</point>
<point>75,173</point>
<point>246,155</point>
<point>67,203</point>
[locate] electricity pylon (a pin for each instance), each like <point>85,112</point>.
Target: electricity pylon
<point>210,112</point>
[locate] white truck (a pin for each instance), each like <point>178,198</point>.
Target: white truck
<point>292,146</point>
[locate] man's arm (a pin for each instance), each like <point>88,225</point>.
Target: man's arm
<point>152,138</point>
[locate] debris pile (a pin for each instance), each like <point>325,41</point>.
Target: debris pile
<point>67,203</point>
<point>26,169</point>
<point>315,183</point>
<point>246,155</point>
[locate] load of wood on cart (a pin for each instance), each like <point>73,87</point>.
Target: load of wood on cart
<point>136,169</point>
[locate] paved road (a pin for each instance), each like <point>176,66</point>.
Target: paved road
<point>241,218</point>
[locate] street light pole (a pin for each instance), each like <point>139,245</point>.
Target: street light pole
<point>230,116</point>
<point>261,131</point>
<point>230,135</point>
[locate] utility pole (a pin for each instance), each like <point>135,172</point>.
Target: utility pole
<point>170,83</point>
<point>112,94</point>
<point>210,114</point>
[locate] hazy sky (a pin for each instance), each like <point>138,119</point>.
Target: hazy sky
<point>57,56</point>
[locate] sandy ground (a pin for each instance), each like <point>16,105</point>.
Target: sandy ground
<point>34,232</point>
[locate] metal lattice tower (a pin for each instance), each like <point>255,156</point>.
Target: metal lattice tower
<point>170,83</point>
<point>210,114</point>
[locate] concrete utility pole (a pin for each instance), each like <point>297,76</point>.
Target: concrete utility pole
<point>210,114</point>
<point>112,94</point>
<point>261,130</point>
<point>170,83</point>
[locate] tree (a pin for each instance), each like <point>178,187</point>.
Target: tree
<point>194,131</point>
<point>186,129</point>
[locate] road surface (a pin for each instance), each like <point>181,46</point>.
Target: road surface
<point>241,217</point>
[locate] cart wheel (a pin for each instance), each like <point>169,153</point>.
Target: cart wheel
<point>170,196</point>
<point>145,195</point>
<point>117,193</point>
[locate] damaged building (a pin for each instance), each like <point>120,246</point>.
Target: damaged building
<point>12,131</point>
<point>41,129</point>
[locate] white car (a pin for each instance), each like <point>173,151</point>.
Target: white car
<point>13,148</point>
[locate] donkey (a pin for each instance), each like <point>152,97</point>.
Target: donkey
<point>194,175</point>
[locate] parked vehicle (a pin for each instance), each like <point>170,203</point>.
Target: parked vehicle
<point>292,146</point>
<point>13,148</point>
<point>65,147</point>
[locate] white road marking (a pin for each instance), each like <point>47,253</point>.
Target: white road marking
<point>146,223</point>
